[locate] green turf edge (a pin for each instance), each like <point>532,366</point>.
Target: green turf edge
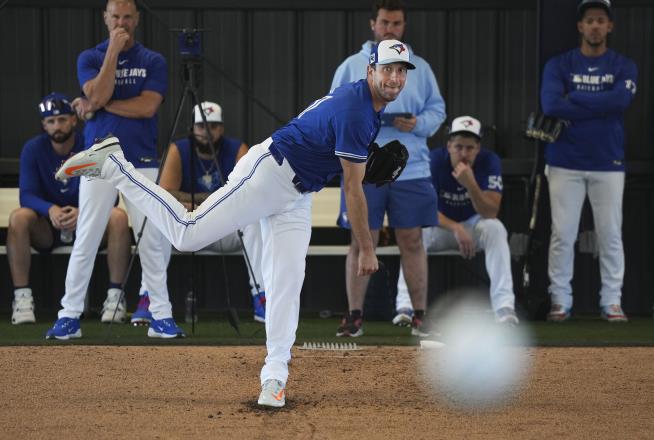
<point>579,332</point>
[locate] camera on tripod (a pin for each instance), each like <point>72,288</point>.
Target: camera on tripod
<point>190,43</point>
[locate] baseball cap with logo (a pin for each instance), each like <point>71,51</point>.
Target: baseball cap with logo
<point>465,124</point>
<point>585,4</point>
<point>212,112</point>
<point>55,104</point>
<point>390,51</point>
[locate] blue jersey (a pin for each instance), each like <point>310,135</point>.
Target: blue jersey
<point>207,178</point>
<point>420,97</point>
<point>138,69</point>
<point>340,125</point>
<point>38,188</point>
<point>453,199</point>
<point>592,93</point>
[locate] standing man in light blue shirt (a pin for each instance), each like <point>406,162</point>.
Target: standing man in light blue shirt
<point>411,201</point>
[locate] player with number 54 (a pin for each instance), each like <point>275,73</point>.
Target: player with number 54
<point>468,182</point>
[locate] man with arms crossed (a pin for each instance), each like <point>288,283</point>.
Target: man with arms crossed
<point>124,83</point>
<point>590,87</point>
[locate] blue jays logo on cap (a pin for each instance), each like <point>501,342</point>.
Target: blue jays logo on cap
<point>399,47</point>
<point>390,51</point>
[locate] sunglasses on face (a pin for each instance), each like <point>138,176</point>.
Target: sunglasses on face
<point>54,104</point>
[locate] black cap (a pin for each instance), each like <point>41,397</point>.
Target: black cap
<point>585,4</point>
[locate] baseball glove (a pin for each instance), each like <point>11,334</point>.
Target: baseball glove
<point>543,128</point>
<point>385,164</point>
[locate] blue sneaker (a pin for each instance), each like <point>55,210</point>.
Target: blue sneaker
<point>64,328</point>
<point>142,315</point>
<point>165,328</point>
<point>259,306</point>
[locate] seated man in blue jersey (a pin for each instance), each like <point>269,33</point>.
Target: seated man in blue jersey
<point>180,178</point>
<point>468,181</point>
<point>48,208</point>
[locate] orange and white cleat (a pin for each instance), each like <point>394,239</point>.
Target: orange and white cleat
<point>272,394</point>
<point>89,162</point>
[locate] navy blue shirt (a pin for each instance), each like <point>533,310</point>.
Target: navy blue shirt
<point>37,187</point>
<point>592,94</point>
<point>138,69</point>
<point>226,151</point>
<point>340,125</point>
<point>453,198</point>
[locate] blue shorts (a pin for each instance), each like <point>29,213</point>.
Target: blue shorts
<point>409,204</point>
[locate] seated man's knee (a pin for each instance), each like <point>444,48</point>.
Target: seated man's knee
<point>118,222</point>
<point>21,219</point>
<point>492,228</point>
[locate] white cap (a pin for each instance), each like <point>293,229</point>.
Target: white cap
<point>212,112</point>
<point>390,51</point>
<point>466,124</point>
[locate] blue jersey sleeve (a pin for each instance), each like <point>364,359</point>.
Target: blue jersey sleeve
<point>553,95</point>
<point>31,194</point>
<point>157,79</point>
<point>432,114</point>
<point>87,68</point>
<point>492,175</point>
<point>611,101</point>
<point>353,136</point>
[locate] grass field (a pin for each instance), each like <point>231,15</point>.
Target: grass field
<point>215,330</point>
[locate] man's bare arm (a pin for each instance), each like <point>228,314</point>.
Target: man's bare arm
<point>357,211</point>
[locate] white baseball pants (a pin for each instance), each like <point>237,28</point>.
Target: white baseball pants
<point>491,237</point>
<point>257,189</point>
<point>568,190</point>
<point>96,199</point>
<point>253,248</point>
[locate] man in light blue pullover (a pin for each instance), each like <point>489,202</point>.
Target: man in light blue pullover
<point>411,201</point>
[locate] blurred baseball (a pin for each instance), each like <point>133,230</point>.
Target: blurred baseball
<point>480,364</point>
<point>88,115</point>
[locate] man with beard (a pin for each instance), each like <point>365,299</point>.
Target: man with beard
<point>124,84</point>
<point>191,167</point>
<point>47,216</point>
<point>272,184</point>
<point>590,87</point>
<point>468,181</point>
<point>410,202</point>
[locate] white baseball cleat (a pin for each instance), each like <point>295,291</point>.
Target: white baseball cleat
<point>89,162</point>
<point>272,394</point>
<point>506,315</point>
<point>114,308</point>
<point>23,309</point>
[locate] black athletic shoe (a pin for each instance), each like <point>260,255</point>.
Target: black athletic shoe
<point>350,327</point>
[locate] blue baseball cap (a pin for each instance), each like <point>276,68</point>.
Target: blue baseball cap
<point>55,104</point>
<point>585,4</point>
<point>391,51</point>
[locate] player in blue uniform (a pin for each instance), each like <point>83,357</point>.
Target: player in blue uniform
<point>468,181</point>
<point>273,183</point>
<point>48,212</point>
<point>589,87</point>
<point>124,83</point>
<point>410,202</point>
<point>207,175</point>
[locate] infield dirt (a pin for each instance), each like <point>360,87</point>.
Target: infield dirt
<point>210,392</point>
